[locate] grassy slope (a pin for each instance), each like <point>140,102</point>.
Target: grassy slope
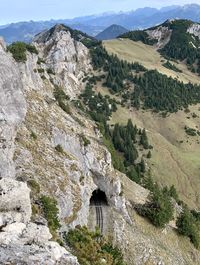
<point>148,56</point>
<point>172,162</point>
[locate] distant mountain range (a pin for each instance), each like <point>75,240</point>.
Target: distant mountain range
<point>111,32</point>
<point>93,25</point>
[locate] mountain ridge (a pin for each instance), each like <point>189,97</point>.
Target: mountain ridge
<point>92,25</point>
<point>111,32</point>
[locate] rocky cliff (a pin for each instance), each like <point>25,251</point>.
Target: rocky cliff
<point>43,151</point>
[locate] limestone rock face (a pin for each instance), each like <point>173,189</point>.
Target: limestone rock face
<point>21,242</point>
<point>12,110</point>
<point>70,176</point>
<point>161,34</point>
<point>15,203</point>
<point>194,29</point>
<point>66,57</point>
<point>73,175</point>
<point>29,244</point>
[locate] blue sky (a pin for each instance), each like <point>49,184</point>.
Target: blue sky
<point>23,10</point>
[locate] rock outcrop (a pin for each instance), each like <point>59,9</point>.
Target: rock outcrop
<point>15,204</point>
<point>12,110</point>
<point>29,244</point>
<point>161,34</point>
<point>66,58</point>
<point>194,29</point>
<point>21,242</point>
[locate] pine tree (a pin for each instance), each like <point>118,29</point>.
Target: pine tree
<point>144,139</point>
<point>142,166</point>
<point>149,155</point>
<point>117,140</point>
<point>131,129</point>
<point>133,174</point>
<point>173,193</point>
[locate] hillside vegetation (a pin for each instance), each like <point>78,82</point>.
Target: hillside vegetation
<point>175,155</point>
<point>179,41</point>
<point>149,57</point>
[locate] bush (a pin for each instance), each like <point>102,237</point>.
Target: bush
<point>92,249</point>
<point>18,50</point>
<point>59,148</point>
<point>172,67</point>
<point>159,210</point>
<point>85,141</point>
<point>35,187</point>
<point>117,160</point>
<point>189,226</point>
<point>62,99</point>
<point>40,60</point>
<point>190,131</point>
<point>149,155</point>
<point>133,174</point>
<point>50,210</point>
<point>50,71</point>
<point>33,135</point>
<point>32,49</point>
<point>40,70</point>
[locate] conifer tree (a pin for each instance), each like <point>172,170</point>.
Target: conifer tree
<point>142,166</point>
<point>144,139</point>
<point>149,155</point>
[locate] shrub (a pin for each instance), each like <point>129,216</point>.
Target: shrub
<point>40,60</point>
<point>18,50</point>
<point>62,99</point>
<point>133,174</point>
<point>171,66</point>
<point>92,249</point>
<point>189,226</point>
<point>50,210</point>
<point>65,107</point>
<point>173,193</point>
<point>50,71</point>
<point>190,131</point>
<point>59,94</point>
<point>32,49</point>
<point>85,141</point>
<point>59,148</point>
<point>33,135</point>
<point>117,160</point>
<point>35,187</point>
<point>149,155</point>
<point>159,209</point>
<point>40,70</point>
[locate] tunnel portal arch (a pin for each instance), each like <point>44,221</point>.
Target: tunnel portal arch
<point>98,198</point>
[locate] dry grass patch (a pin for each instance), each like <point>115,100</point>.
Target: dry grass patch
<point>147,56</point>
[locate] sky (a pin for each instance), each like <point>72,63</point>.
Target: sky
<point>25,10</point>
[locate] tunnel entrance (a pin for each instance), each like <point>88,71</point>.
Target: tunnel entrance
<point>98,198</point>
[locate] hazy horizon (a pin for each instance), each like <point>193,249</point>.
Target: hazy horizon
<point>40,10</point>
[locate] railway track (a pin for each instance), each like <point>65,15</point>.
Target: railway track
<point>99,216</point>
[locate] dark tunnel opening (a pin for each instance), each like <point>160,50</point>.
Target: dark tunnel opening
<point>98,198</point>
